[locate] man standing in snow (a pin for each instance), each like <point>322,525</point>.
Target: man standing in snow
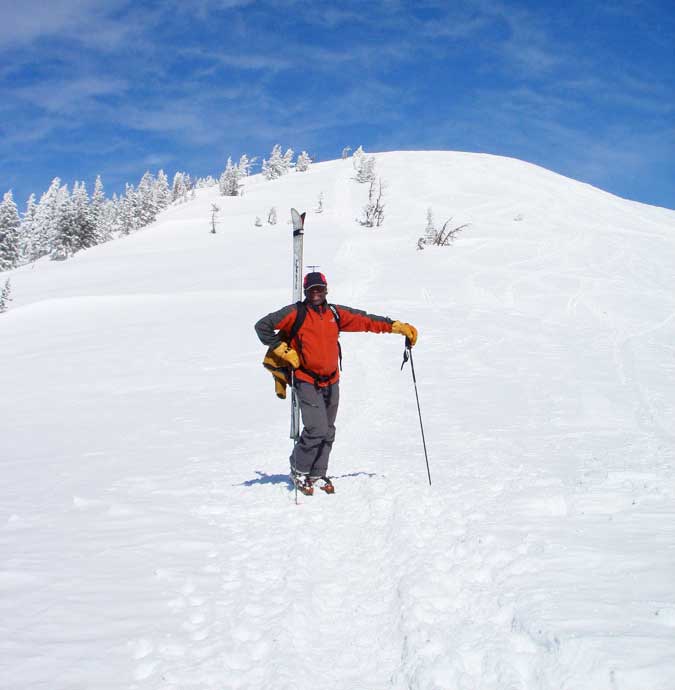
<point>306,339</point>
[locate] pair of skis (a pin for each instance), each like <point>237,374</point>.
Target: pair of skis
<point>298,220</point>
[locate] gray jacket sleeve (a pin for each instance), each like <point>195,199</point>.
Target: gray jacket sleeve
<point>267,327</point>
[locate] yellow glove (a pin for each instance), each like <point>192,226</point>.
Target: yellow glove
<point>288,354</point>
<point>410,332</point>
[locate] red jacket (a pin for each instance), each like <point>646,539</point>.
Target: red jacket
<point>317,339</point>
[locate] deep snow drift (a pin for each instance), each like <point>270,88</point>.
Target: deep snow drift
<point>148,535</point>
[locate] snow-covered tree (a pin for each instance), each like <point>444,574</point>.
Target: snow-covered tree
<point>65,240</point>
<point>278,164</point>
<point>180,187</point>
<point>373,211</point>
<point>319,206</point>
<point>366,172</point>
<point>99,212</point>
<point>272,216</point>
<point>96,206</point>
<point>113,212</point>
<point>440,238</point>
<point>258,222</point>
<point>206,182</point>
<point>215,210</point>
<point>9,233</point>
<point>27,231</point>
<point>86,230</point>
<point>229,183</point>
<point>189,184</point>
<point>146,199</point>
<point>107,225</point>
<point>303,162</point>
<point>364,166</point>
<point>75,228</point>
<point>46,220</point>
<point>127,215</point>
<point>345,152</point>
<point>225,180</point>
<point>5,298</point>
<point>272,168</point>
<point>245,165</point>
<point>162,191</point>
<point>430,230</point>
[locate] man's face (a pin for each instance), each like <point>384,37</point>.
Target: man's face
<point>317,295</point>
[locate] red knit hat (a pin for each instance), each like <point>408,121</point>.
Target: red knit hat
<point>314,279</point>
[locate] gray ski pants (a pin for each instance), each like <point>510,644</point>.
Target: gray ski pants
<point>319,409</point>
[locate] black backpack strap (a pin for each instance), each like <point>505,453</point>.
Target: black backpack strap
<point>336,314</point>
<point>300,314</point>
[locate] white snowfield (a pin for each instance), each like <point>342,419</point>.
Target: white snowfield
<point>148,534</point>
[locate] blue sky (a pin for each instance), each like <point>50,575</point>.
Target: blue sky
<point>583,88</point>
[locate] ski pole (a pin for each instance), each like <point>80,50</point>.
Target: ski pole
<point>295,431</point>
<point>407,355</point>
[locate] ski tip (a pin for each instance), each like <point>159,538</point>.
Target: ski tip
<point>298,221</point>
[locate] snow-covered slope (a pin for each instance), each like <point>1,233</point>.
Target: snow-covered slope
<point>148,535</point>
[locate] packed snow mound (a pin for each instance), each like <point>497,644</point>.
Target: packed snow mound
<point>149,534</point>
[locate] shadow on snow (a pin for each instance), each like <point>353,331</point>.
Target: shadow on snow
<point>285,478</point>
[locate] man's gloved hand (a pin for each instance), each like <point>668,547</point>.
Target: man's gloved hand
<point>288,354</point>
<point>410,332</point>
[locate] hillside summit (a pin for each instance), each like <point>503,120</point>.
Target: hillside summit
<point>149,534</point>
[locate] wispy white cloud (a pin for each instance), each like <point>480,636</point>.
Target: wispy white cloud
<point>649,99</point>
<point>15,139</point>
<point>202,8</point>
<point>334,16</point>
<point>182,116</point>
<point>71,96</point>
<point>23,22</point>
<point>244,61</point>
<point>529,44</point>
<point>454,28</point>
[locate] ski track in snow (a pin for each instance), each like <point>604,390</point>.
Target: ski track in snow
<point>419,620</point>
<point>357,583</point>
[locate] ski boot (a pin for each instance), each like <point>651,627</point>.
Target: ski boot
<point>327,485</point>
<point>302,483</point>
